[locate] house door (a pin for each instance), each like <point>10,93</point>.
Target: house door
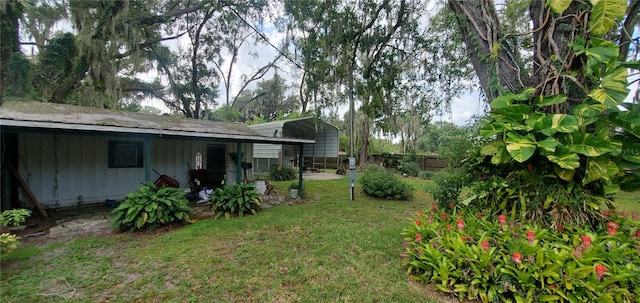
<point>215,164</point>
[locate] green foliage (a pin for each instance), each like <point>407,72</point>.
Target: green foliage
<point>151,207</point>
<point>14,217</point>
<point>409,166</point>
<point>380,183</point>
<point>237,199</point>
<point>447,186</point>
<point>282,173</point>
<point>294,185</point>
<point>499,261</point>
<point>8,243</point>
<point>426,175</point>
<point>19,75</point>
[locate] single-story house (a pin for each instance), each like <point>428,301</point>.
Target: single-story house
<point>70,155</point>
<point>319,155</point>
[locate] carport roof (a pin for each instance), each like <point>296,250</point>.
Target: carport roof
<point>300,126</point>
<point>42,115</point>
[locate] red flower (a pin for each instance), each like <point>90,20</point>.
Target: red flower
<point>479,215</point>
<point>448,226</point>
<point>464,238</point>
<point>419,238</point>
<point>444,216</point>
<point>517,257</point>
<point>433,205</point>
<point>418,221</point>
<point>503,219</point>
<point>460,224</point>
<point>560,228</point>
<point>601,270</point>
<point>460,214</point>
<point>420,213</point>
<point>611,228</point>
<point>485,245</point>
<point>451,205</point>
<point>638,233</point>
<point>607,213</point>
<point>531,236</point>
<point>586,241</point>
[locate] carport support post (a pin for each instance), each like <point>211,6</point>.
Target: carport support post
<point>238,163</point>
<point>147,159</point>
<point>300,164</point>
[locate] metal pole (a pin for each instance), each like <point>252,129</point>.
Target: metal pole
<point>352,162</point>
<point>300,170</point>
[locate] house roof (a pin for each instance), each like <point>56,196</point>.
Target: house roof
<point>42,115</point>
<point>299,127</point>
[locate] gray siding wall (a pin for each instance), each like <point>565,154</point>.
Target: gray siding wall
<point>63,170</point>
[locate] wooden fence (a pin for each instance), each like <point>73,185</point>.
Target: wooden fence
<point>428,163</point>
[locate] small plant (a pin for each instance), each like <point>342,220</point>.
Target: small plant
<point>150,207</point>
<point>294,185</point>
<point>282,173</point>
<point>237,199</point>
<point>380,183</point>
<point>8,243</point>
<point>426,175</point>
<point>14,217</point>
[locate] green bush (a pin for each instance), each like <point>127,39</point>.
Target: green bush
<point>237,199</point>
<point>150,207</point>
<point>447,186</point>
<point>409,166</point>
<point>282,173</point>
<point>481,258</point>
<point>380,183</point>
<point>8,243</point>
<point>14,217</point>
<point>426,175</point>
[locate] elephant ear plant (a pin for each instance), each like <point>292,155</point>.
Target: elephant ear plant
<point>237,199</point>
<point>151,207</point>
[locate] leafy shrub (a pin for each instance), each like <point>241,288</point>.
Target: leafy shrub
<point>150,207</point>
<point>294,185</point>
<point>14,217</point>
<point>341,171</point>
<point>282,173</point>
<point>237,199</point>
<point>8,243</point>
<point>380,183</point>
<point>481,258</point>
<point>447,186</point>
<point>409,166</point>
<point>426,175</point>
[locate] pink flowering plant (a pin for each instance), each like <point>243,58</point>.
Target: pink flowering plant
<point>493,259</point>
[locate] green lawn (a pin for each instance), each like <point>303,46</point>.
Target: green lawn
<point>328,250</point>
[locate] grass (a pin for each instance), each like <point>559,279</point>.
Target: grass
<point>628,201</point>
<point>329,250</point>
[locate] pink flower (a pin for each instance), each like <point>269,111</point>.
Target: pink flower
<point>485,245</point>
<point>586,241</point>
<point>479,215</point>
<point>433,205</point>
<point>430,220</point>
<point>531,236</point>
<point>460,224</point>
<point>418,221</point>
<point>451,205</point>
<point>600,270</point>
<point>448,226</point>
<point>502,219</point>
<point>460,214</point>
<point>577,252</point>
<point>611,228</point>
<point>420,213</point>
<point>419,238</point>
<point>444,216</point>
<point>517,257</point>
<point>464,238</point>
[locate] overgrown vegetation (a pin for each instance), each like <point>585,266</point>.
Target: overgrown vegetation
<point>151,207</point>
<point>14,217</point>
<point>447,186</point>
<point>8,243</point>
<point>380,183</point>
<point>282,173</point>
<point>408,166</point>
<point>237,199</point>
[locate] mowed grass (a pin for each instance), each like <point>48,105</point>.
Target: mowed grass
<point>327,250</point>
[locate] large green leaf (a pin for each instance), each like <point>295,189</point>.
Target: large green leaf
<point>602,50</point>
<point>521,148</point>
<point>512,113</point>
<point>604,14</point>
<point>613,90</point>
<point>551,124</point>
<point>558,6</point>
<point>492,148</point>
<point>492,129</point>
<point>506,100</point>
<point>588,113</point>
<point>565,158</point>
<point>548,145</point>
<point>549,100</point>
<point>599,168</point>
<point>585,144</point>
<point>565,174</point>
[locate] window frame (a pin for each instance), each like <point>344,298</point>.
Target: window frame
<point>113,157</point>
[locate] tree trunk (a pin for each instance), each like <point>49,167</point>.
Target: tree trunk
<point>495,61</point>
